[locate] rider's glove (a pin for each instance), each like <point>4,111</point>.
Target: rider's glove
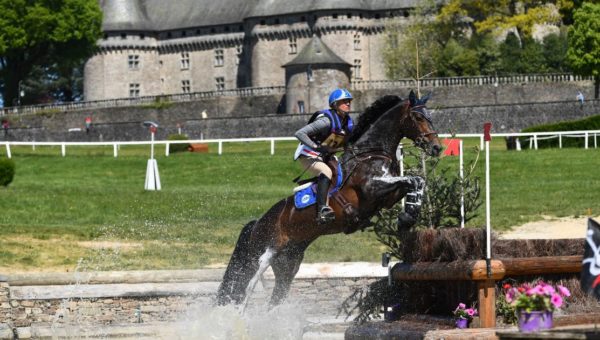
<point>325,149</point>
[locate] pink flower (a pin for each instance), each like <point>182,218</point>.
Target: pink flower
<point>471,312</point>
<point>556,300</point>
<point>461,306</point>
<point>510,295</point>
<point>564,291</point>
<point>548,290</point>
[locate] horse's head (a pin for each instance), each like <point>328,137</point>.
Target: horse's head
<point>419,126</point>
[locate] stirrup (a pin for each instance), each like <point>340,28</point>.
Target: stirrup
<point>325,215</point>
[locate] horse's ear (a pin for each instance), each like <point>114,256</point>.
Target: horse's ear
<point>424,99</point>
<point>412,97</point>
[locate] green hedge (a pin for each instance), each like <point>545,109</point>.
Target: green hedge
<point>179,147</point>
<point>590,123</point>
<point>7,171</point>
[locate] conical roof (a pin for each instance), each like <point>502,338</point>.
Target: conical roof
<point>124,15</point>
<point>316,52</point>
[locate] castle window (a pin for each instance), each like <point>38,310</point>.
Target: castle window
<point>303,19</point>
<point>238,52</point>
<point>263,22</point>
<point>142,36</point>
<point>123,36</point>
<point>309,74</point>
<point>169,35</point>
<point>377,16</point>
<point>212,30</point>
<point>349,15</point>
<point>335,16</point>
<point>198,32</point>
<point>183,33</point>
<point>134,90</point>
<point>185,86</point>
<point>356,69</point>
<point>357,41</point>
<point>220,83</point>
<point>301,108</point>
<point>133,61</point>
<point>185,60</point>
<point>219,57</point>
<point>293,45</point>
<point>276,21</point>
<point>241,28</point>
<point>226,28</point>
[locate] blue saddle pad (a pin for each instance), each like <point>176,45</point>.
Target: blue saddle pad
<point>307,196</point>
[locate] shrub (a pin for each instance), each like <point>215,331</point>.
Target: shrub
<point>590,123</point>
<point>7,171</point>
<point>178,147</point>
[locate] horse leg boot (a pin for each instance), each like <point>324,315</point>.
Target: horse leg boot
<point>412,205</point>
<point>324,212</point>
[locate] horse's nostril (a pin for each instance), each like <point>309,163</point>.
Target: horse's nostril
<point>436,149</point>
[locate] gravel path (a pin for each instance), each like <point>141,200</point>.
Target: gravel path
<point>550,228</point>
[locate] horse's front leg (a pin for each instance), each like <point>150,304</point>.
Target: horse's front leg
<point>399,186</point>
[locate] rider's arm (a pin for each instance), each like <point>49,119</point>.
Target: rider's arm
<point>321,125</point>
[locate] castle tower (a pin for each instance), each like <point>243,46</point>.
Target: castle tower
<point>126,64</point>
<point>312,75</point>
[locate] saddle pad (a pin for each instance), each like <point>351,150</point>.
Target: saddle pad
<point>305,197</point>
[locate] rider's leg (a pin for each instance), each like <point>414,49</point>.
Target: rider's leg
<point>318,168</point>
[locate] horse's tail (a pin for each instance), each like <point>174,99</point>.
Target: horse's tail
<point>239,270</point>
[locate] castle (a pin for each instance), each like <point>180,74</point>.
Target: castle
<point>157,47</point>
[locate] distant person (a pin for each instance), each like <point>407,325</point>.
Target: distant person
<point>580,98</point>
<point>326,131</point>
<point>5,127</point>
<point>88,124</point>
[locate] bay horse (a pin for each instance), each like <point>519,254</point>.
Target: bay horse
<point>371,182</point>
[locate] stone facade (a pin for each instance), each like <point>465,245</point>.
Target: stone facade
<point>149,49</point>
<point>53,303</point>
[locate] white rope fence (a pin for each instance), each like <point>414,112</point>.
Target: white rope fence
<point>533,138</point>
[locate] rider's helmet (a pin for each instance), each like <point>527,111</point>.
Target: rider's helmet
<point>338,94</point>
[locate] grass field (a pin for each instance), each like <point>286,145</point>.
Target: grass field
<point>89,210</point>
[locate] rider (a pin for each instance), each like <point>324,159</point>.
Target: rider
<point>326,131</point>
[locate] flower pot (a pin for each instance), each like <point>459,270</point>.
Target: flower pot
<point>534,321</point>
<point>462,323</point>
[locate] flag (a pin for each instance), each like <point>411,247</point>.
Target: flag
<point>590,273</point>
<point>452,146</point>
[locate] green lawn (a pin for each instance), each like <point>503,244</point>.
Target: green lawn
<point>90,209</point>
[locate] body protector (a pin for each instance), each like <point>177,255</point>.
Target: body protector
<point>338,132</point>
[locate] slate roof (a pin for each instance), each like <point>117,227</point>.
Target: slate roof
<point>316,52</point>
<point>161,15</point>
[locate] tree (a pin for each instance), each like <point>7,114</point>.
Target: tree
<point>44,33</point>
<point>583,53</point>
<point>501,15</point>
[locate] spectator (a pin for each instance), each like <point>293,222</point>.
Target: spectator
<point>5,127</point>
<point>88,124</point>
<point>580,98</point>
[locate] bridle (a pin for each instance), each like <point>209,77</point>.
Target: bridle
<point>421,139</point>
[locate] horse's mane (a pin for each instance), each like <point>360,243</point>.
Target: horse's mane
<point>371,114</point>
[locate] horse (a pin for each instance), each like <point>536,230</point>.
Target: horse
<point>370,182</point>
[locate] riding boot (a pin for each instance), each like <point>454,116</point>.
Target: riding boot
<point>324,213</point>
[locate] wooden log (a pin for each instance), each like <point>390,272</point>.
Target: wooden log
<point>455,270</point>
<point>542,265</point>
<point>487,303</point>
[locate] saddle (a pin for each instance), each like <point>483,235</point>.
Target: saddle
<point>305,193</point>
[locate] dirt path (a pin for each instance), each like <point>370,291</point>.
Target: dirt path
<point>550,228</point>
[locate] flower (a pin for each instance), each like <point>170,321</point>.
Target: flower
<point>463,312</point>
<point>541,297</point>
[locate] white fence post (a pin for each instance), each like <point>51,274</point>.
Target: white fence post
<point>560,140</point>
<point>63,149</point>
<point>167,149</point>
<point>272,147</point>
<point>535,144</point>
<point>8,150</point>
<point>586,140</point>
<point>220,147</point>
<point>115,150</point>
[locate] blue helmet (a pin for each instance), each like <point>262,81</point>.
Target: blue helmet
<point>339,94</point>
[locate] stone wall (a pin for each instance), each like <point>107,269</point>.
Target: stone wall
<point>63,301</point>
<point>459,109</point>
